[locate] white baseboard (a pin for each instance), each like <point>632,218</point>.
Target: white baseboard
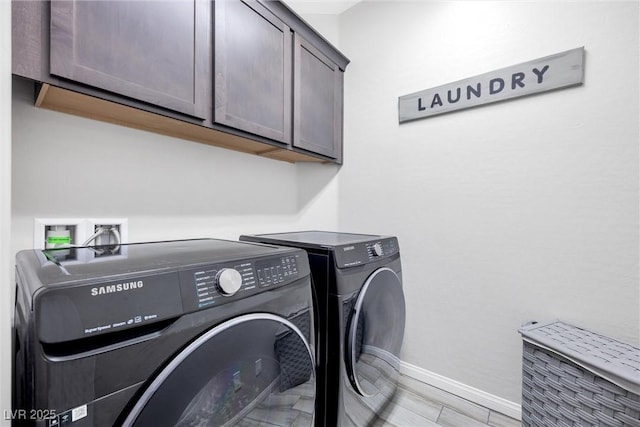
<point>472,394</point>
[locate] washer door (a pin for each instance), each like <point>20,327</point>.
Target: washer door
<point>374,334</point>
<point>256,369</point>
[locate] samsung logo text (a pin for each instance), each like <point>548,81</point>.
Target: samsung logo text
<point>120,287</point>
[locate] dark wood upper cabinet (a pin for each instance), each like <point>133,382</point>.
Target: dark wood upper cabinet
<point>272,82</point>
<point>318,87</point>
<point>252,70</point>
<point>248,75</point>
<point>152,51</point>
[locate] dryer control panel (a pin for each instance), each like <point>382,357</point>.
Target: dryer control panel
<point>110,304</point>
<point>217,284</point>
<point>365,252</point>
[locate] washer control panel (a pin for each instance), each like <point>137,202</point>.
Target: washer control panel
<point>147,283</point>
<point>364,252</point>
<point>218,284</point>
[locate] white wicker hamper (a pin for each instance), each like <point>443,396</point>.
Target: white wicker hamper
<point>575,377</point>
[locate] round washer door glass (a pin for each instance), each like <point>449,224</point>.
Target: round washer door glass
<point>375,333</point>
<point>256,369</point>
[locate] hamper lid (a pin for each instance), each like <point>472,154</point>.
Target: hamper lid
<point>613,360</point>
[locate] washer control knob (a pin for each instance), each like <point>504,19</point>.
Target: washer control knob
<point>376,249</point>
<point>228,281</point>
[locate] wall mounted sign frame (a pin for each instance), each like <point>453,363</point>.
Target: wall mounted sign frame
<point>551,72</point>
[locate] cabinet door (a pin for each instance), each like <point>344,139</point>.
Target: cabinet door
<point>151,51</point>
<point>317,107</point>
<point>252,70</point>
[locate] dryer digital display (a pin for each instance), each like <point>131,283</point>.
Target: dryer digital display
<point>270,273</point>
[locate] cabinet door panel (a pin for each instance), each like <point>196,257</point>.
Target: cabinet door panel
<point>152,51</point>
<point>252,70</point>
<point>317,101</point>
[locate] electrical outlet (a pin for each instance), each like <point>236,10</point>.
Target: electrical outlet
<point>107,231</point>
<point>51,233</point>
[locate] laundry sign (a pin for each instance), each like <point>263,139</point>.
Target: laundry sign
<point>540,75</point>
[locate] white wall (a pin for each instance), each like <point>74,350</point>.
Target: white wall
<point>6,257</point>
<point>522,210</point>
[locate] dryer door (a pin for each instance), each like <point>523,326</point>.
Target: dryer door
<point>256,369</point>
<point>374,334</point>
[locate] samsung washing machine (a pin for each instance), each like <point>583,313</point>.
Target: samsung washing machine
<point>181,333</point>
<point>361,318</point>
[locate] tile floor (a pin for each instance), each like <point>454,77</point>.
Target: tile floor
<point>416,404</point>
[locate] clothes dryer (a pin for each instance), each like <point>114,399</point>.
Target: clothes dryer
<point>181,333</point>
<point>361,318</point>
